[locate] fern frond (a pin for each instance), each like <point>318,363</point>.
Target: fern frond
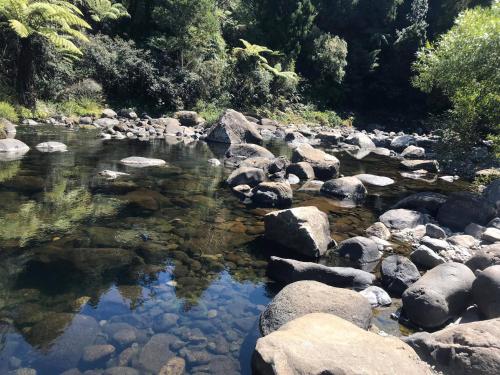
<point>19,28</point>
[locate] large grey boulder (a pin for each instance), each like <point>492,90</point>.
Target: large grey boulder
<point>305,230</point>
<point>464,349</point>
<point>361,140</point>
<point>402,218</point>
<point>233,127</point>
<point>425,202</point>
<point>189,118</point>
<point>290,270</point>
<point>305,297</point>
<point>413,152</point>
<point>321,343</point>
<point>461,209</point>
<point>398,273</point>
<point>486,257</point>
<point>492,193</point>
<point>486,291</point>
<point>11,145</point>
<point>325,166</point>
<point>272,194</point>
<point>401,142</point>
<point>441,294</point>
<point>246,176</point>
<point>349,188</point>
<point>302,170</point>
<point>359,250</point>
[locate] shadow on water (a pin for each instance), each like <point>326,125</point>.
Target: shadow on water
<point>163,262</point>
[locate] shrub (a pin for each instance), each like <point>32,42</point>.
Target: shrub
<point>80,107</point>
<point>87,88</point>
<point>23,112</point>
<point>8,112</point>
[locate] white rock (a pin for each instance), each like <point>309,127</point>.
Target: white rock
<point>376,296</point>
<point>371,179</point>
<point>111,175</point>
<point>141,162</point>
<point>13,145</point>
<point>51,147</point>
<point>491,235</point>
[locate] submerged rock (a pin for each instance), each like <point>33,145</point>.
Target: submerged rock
<point>233,127</point>
<point>51,147</point>
<point>464,349</point>
<point>305,230</point>
<point>441,294</point>
<point>290,270</point>
<point>141,162</point>
<point>334,346</point>
<point>305,297</point>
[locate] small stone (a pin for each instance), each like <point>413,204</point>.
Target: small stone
<point>435,243</point>
<point>426,257</point>
<point>379,230</point>
<point>95,353</point>
<point>434,231</point>
<point>174,366</point>
<point>376,296</point>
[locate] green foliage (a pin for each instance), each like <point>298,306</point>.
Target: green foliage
<point>80,107</point>
<point>211,112</point>
<point>463,64</point>
<point>307,114</point>
<point>23,112</point>
<point>84,89</point>
<point>8,112</point>
<point>102,10</point>
<point>329,56</point>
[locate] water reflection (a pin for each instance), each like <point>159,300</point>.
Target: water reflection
<point>160,264</point>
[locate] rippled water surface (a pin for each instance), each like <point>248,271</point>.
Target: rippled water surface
<point>162,263</point>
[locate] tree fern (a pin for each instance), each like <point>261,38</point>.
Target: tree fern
<point>102,10</point>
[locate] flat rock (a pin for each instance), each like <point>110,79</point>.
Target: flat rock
<point>290,270</point>
<point>141,162</point>
<point>305,297</point>
<point>371,179</point>
<point>402,218</point>
<point>11,145</point>
<point>248,150</point>
<point>157,352</point>
<point>491,235</point>
<point>415,165</point>
<point>305,230</point>
<point>94,353</point>
<point>334,346</point>
<point>464,349</point>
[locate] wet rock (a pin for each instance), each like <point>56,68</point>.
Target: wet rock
<point>398,273</point>
<point>376,296</point>
<point>189,118</point>
<point>302,170</point>
<point>289,271</point>
<point>125,336</point>
<point>95,353</point>
<point>461,209</point>
<point>233,127</point>
<point>272,194</point>
<point>174,366</point>
<point>156,353</point>
<point>305,297</point>
<point>413,152</point>
<point>11,145</point>
<point>51,147</point>
<point>401,142</point>
<point>246,176</point>
<point>426,258</point>
<point>464,349</point>
<point>349,188</point>
<point>439,295</point>
<point>325,166</point>
<point>361,140</point>
<point>486,257</point>
<point>305,230</point>
<point>415,165</point>
<point>434,231</point>
<point>402,218</point>
<point>426,202</point>
<point>486,291</point>
<point>491,235</point>
<point>359,250</point>
<point>140,162</point>
<point>371,179</point>
<point>378,230</point>
<point>195,357</point>
<point>334,346</point>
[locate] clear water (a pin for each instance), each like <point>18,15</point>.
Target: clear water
<point>165,262</point>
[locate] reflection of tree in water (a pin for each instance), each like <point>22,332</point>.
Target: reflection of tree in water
<point>9,170</point>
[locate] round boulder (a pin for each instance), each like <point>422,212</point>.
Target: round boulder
<point>325,166</point>
<point>486,291</point>
<point>441,294</point>
<point>401,219</point>
<point>246,176</point>
<point>302,170</point>
<point>272,194</point>
<point>398,273</point>
<point>345,188</point>
<point>360,250</point>
<point>305,297</point>
<point>51,147</point>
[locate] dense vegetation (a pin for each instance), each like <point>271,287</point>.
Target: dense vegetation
<point>294,56</point>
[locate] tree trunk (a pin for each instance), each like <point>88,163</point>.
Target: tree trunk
<point>25,74</point>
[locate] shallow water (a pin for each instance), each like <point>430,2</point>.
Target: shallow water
<point>164,262</point>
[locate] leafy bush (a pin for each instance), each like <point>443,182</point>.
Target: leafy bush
<point>464,66</point>
<point>87,88</point>
<point>80,107</point>
<point>23,112</point>
<point>330,57</point>
<point>8,112</point>
<point>211,112</point>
